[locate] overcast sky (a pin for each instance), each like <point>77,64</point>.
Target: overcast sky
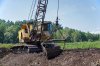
<point>83,15</point>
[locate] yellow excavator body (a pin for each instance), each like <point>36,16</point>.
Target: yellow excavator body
<point>24,32</point>
<point>37,35</point>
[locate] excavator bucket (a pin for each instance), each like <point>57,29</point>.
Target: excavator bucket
<point>52,50</point>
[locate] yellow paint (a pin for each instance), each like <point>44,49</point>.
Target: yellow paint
<point>22,34</point>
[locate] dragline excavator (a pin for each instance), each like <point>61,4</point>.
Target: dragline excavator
<point>37,35</point>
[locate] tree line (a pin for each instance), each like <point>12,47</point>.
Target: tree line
<point>72,35</point>
<point>9,33</point>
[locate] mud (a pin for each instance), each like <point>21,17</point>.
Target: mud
<point>78,57</point>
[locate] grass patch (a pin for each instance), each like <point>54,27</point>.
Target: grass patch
<point>6,45</point>
<point>75,45</point>
<point>81,45</point>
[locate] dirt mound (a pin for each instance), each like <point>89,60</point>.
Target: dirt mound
<point>86,57</point>
<point>78,58</point>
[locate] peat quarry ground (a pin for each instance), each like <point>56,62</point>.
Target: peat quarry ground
<point>76,57</point>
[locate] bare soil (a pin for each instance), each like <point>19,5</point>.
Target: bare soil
<point>76,57</point>
<point>3,52</point>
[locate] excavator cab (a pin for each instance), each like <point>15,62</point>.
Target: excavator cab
<point>46,30</point>
<point>29,34</point>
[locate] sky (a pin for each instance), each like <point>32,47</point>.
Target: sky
<point>82,15</point>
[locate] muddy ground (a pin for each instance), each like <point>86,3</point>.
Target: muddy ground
<point>78,57</point>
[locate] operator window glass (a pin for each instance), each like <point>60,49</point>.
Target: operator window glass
<point>45,27</point>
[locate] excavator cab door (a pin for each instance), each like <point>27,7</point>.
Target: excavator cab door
<point>47,27</point>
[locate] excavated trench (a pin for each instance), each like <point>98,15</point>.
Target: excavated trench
<point>76,57</point>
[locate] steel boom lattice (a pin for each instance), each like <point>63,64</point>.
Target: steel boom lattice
<point>41,10</point>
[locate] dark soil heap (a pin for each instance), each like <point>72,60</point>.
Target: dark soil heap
<point>86,57</point>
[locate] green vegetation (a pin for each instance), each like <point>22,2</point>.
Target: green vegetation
<point>75,45</point>
<point>81,45</point>
<point>9,32</point>
<point>73,35</point>
<point>6,45</point>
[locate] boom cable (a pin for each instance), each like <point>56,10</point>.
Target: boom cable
<point>57,25</point>
<point>58,9</point>
<point>57,14</point>
<point>32,9</point>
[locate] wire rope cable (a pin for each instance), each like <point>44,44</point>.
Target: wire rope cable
<point>57,24</point>
<point>32,9</point>
<point>58,9</point>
